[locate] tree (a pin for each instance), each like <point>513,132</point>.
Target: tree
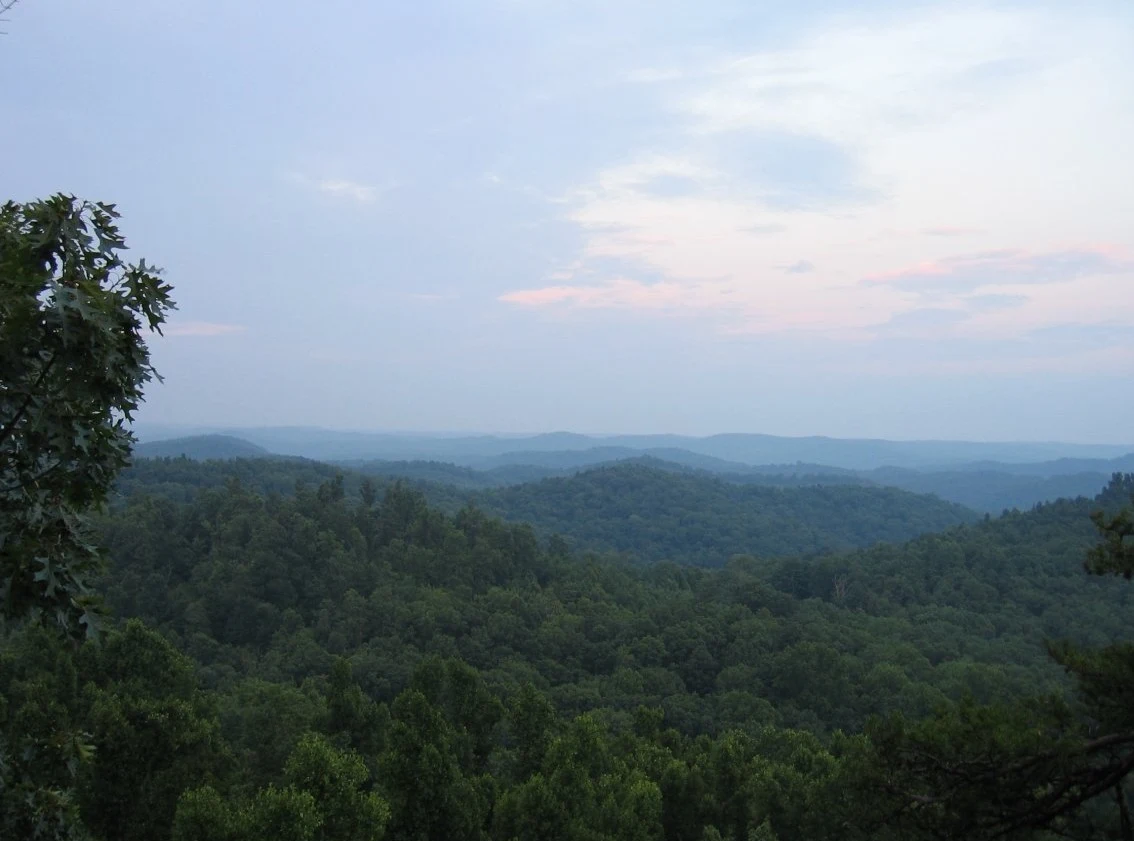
<point>73,364</point>
<point>430,799</point>
<point>1016,771</point>
<point>1115,554</point>
<point>324,799</point>
<point>153,731</point>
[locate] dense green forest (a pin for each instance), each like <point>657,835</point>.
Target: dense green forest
<point>986,491</point>
<point>658,515</point>
<point>641,511</point>
<point>461,660</point>
<point>986,486</point>
<point>273,649</point>
<point>232,569</point>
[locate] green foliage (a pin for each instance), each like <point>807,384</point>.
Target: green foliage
<point>431,795</point>
<point>203,815</point>
<point>655,515</point>
<point>1012,771</point>
<point>286,814</point>
<point>43,745</point>
<point>1115,554</point>
<point>154,734</point>
<point>73,362</point>
<point>335,779</point>
<point>276,588</point>
<point>322,799</point>
<point>533,723</point>
<point>320,666</point>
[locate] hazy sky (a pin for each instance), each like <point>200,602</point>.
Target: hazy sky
<point>915,219</point>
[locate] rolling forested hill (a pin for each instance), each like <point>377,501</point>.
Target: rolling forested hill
<point>984,486</point>
<point>200,447</point>
<point>641,510</point>
<point>312,631</point>
<point>993,491</point>
<point>654,515</point>
<point>273,588</point>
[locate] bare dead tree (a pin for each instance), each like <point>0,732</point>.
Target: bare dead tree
<point>840,588</point>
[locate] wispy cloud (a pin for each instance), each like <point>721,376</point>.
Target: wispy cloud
<point>1004,267</point>
<point>346,189</point>
<point>852,131</point>
<point>202,328</point>
<point>620,293</point>
<point>988,302</point>
<point>757,305</point>
<point>799,267</point>
<point>362,193</point>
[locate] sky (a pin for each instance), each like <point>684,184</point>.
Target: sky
<point>879,219</point>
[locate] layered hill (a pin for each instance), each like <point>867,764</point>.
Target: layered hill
<point>653,515</point>
<point>743,448</point>
<point>272,588</point>
<point>638,509</point>
<point>200,448</point>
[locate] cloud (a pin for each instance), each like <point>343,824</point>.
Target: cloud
<point>361,193</point>
<point>948,231</point>
<point>787,170</point>
<point>669,186</point>
<point>852,145</point>
<point>855,76</point>
<point>340,188</point>
<point>1004,267</point>
<point>621,293</point>
<point>979,303</point>
<point>750,306</point>
<point>799,267</point>
<point>202,328</point>
<point>921,323</point>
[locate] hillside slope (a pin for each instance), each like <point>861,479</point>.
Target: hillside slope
<point>655,515</point>
<point>273,589</point>
<point>200,448</point>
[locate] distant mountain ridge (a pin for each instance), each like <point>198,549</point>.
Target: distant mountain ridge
<point>483,451</point>
<point>986,486</point>
<point>989,491</point>
<point>201,448</point>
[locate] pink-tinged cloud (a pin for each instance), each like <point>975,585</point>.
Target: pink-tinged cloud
<point>1004,267</point>
<point>544,297</point>
<point>618,294</point>
<point>737,307</point>
<point>202,328</point>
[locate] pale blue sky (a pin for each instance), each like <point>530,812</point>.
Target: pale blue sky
<point>908,220</point>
